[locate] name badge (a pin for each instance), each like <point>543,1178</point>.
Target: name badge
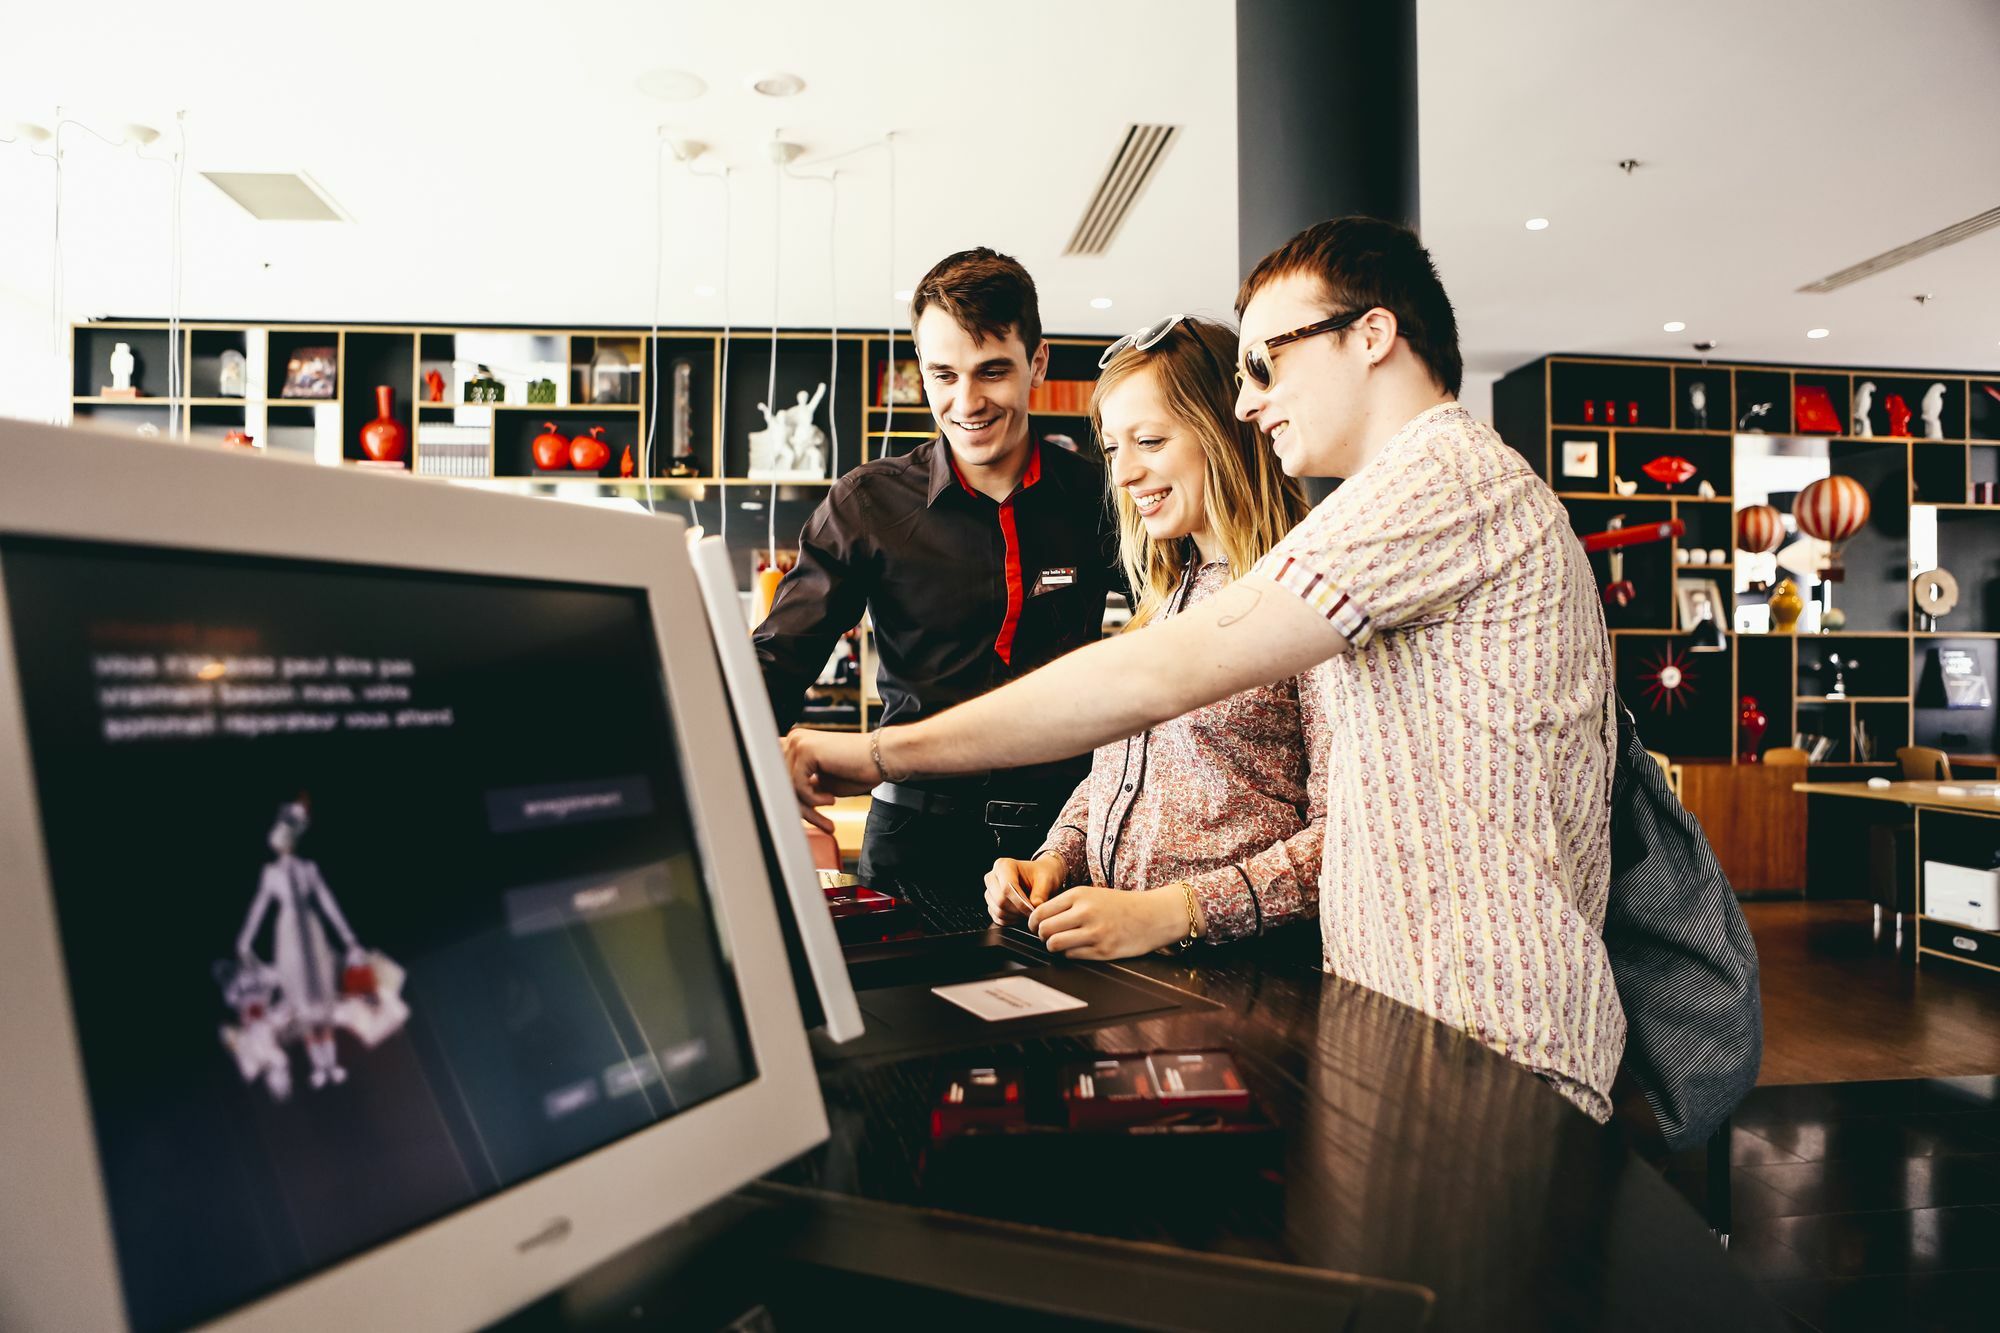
<point>1052,579</point>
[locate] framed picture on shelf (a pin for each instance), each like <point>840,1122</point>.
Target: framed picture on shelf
<point>309,373</point>
<point>899,384</point>
<point>1690,595</point>
<point>1579,458</point>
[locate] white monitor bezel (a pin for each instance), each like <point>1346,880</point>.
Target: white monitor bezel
<point>757,728</point>
<point>58,1268</point>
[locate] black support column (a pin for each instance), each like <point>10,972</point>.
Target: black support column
<point>1326,116</point>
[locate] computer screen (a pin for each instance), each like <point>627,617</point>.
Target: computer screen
<point>819,973</point>
<point>377,892</point>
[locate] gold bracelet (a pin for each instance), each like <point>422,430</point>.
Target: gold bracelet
<point>875,753</point>
<point>1194,930</point>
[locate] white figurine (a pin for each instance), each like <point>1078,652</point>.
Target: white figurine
<point>232,380</point>
<point>790,447</point>
<point>1933,412</point>
<point>1864,401</point>
<point>1698,404</point>
<point>808,440</point>
<point>121,368</point>
<point>306,970</point>
<point>770,448</point>
<point>262,1021</point>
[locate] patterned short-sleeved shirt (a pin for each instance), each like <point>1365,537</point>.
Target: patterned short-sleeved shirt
<point>1468,836</point>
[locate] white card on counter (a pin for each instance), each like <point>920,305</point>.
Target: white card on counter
<point>1001,998</point>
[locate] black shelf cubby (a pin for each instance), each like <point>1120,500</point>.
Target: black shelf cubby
<point>1764,673</point>
<point>1956,731</point>
<point>204,379</point>
<point>213,422</point>
<point>1938,473</point>
<point>288,343</point>
<point>1831,720</point>
<point>94,346</point>
<point>1764,386</point>
<point>515,429</point>
<point>1982,462</point>
<point>1648,567</point>
<point>1710,455</point>
<point>1968,545</point>
<point>604,370</point>
<point>802,365</point>
<point>1694,720</point>
<point>1618,383</point>
<point>1711,526</point>
<point>124,418</point>
<point>697,419</point>
<point>1870,668</point>
<point>1716,411</point>
<point>1983,409</point>
<point>1874,589</point>
<point>1879,731</point>
<point>1911,390</point>
<point>292,427</point>
<point>377,359</point>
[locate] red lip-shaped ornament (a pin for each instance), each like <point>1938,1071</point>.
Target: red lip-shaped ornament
<point>1669,469</point>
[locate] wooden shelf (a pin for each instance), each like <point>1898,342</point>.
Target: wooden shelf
<point>127,402</point>
<point>1853,698</point>
<point>546,407</point>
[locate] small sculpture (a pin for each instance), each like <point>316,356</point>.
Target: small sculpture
<point>1706,490</point>
<point>1698,404</point>
<point>1757,412</point>
<point>1786,605</point>
<point>1899,414</point>
<point>1933,412</point>
<point>232,380</point>
<point>1670,470</point>
<point>790,447</point>
<point>683,463</point>
<point>1864,401</point>
<point>1624,487</point>
<point>434,384</point>
<point>122,365</point>
<point>1750,725</point>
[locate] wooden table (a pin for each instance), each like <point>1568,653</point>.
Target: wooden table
<point>1928,795</point>
<point>1419,1180</point>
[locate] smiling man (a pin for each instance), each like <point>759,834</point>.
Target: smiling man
<point>1468,680</point>
<point>979,556</point>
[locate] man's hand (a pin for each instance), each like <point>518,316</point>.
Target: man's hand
<point>1101,924</point>
<point>827,765</point>
<point>1016,888</point>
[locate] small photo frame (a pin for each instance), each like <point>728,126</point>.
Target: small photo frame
<point>1579,458</point>
<point>899,384</point>
<point>309,373</point>
<point>1689,594</point>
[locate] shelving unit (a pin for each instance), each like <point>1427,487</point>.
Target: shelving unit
<point>622,379</point>
<point>1643,409</point>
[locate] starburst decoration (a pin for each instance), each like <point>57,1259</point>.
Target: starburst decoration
<point>1668,680</point>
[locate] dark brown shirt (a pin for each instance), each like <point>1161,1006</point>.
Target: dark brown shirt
<point>965,593</point>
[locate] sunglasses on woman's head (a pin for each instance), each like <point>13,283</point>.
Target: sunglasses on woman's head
<point>1256,365</point>
<point>1144,340</point>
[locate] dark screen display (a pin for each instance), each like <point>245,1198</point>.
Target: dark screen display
<point>378,893</point>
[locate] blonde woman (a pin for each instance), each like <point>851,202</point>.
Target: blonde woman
<point>1209,826</point>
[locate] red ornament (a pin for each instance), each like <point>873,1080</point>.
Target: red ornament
<point>1610,411</point>
<point>384,438</point>
<point>1759,528</point>
<point>434,385</point>
<point>1899,414</point>
<point>551,449</point>
<point>625,463</point>
<point>1668,469</point>
<point>1668,680</point>
<point>357,979</point>
<point>1813,410</point>
<point>238,438</point>
<point>1590,409</point>
<point>1620,592</point>
<point>589,453</point>
<point>1632,412</point>
<point>1750,725</point>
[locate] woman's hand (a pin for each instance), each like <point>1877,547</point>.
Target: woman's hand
<point>1016,888</point>
<point>1101,924</point>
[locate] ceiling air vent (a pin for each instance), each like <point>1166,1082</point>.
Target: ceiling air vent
<point>277,196</point>
<point>1903,254</point>
<point>1138,157</point>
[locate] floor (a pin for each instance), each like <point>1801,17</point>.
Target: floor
<point>1863,1197</point>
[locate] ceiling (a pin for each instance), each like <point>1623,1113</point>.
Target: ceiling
<point>499,164</point>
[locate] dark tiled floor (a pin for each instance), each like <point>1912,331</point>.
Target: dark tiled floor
<point>1871,1206</point>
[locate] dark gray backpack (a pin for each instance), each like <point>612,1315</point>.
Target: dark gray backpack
<point>1681,955</point>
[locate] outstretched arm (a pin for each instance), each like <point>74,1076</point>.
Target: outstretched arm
<point>1251,633</point>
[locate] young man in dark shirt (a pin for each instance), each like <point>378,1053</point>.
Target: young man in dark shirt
<point>980,555</point>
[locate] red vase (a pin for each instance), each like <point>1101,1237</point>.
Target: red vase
<point>384,438</point>
<point>589,453</point>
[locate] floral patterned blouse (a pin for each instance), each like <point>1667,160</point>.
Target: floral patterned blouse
<point>1230,798</point>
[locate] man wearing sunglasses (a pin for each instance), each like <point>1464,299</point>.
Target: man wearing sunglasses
<point>1468,672</point>
<point>979,555</point>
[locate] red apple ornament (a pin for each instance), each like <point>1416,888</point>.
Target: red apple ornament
<point>589,453</point>
<point>551,449</point>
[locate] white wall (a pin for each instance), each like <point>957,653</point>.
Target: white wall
<point>33,366</point>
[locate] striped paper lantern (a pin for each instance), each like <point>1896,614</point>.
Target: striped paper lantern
<point>1759,528</point>
<point>1832,509</point>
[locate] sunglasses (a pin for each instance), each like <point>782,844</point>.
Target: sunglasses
<point>1143,341</point>
<point>1256,365</point>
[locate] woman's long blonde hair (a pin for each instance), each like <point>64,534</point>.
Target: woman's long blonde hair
<point>1250,502</point>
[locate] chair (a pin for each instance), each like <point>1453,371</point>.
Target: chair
<point>1921,763</point>
<point>1669,770</point>
<point>1785,754</point>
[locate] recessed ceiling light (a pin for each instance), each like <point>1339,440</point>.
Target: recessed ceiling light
<point>1538,224</point>
<point>1100,303</point>
<point>704,290</point>
<point>1672,326</point>
<point>777,84</point>
<point>1816,333</point>
<point>905,294</point>
<point>672,85</point>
